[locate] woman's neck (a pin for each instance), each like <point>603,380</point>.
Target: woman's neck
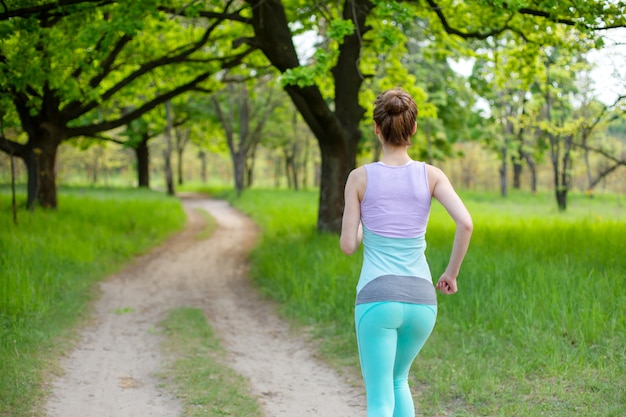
<point>395,155</point>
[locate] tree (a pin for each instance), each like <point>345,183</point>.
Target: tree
<point>243,115</point>
<point>556,122</point>
<point>334,112</point>
<point>502,76</point>
<point>594,126</point>
<point>63,62</point>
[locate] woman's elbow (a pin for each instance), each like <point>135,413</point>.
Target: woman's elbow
<point>348,247</point>
<point>466,225</point>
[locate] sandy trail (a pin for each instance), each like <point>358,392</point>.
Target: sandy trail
<point>111,372</point>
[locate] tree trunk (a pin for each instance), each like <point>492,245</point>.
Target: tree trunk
<point>142,153</point>
<point>590,183</point>
<point>95,167</point>
<point>167,153</point>
<point>203,166</point>
<point>517,173</point>
<point>305,163</point>
<point>179,167</point>
<point>239,167</point>
<point>335,169</point>
<point>561,198</point>
<point>41,167</point>
<point>533,172</point>
<point>337,132</point>
<point>503,170</point>
<point>13,199</point>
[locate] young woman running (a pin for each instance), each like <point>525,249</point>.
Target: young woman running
<point>387,205</point>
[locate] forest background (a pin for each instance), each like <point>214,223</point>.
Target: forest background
<point>280,93</point>
<point>268,93</point>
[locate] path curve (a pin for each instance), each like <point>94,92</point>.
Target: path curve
<point>111,370</point>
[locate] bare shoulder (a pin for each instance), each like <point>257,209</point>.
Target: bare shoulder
<point>435,177</point>
<point>433,171</point>
<point>358,175</point>
<point>357,181</point>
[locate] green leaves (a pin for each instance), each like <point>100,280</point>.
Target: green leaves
<point>340,28</point>
<point>300,76</point>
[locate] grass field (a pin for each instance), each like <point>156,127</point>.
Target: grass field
<point>49,262</point>
<point>537,328</point>
<point>539,324</point>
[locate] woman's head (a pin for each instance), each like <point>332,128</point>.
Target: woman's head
<point>395,114</point>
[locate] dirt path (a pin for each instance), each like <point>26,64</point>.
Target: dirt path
<point>111,371</point>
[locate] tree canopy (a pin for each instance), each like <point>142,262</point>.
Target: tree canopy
<point>72,68</point>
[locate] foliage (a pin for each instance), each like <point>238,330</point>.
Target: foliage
<point>79,69</point>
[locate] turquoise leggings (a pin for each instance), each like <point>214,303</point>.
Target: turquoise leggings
<point>390,335</point>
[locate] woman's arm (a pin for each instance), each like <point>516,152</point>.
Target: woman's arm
<point>351,229</point>
<point>443,191</point>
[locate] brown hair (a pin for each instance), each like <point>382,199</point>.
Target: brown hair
<point>395,113</point>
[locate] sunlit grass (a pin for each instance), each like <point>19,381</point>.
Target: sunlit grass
<point>198,373</point>
<point>537,329</point>
<point>48,264</point>
<point>538,326</point>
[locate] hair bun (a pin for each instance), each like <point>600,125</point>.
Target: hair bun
<point>396,105</point>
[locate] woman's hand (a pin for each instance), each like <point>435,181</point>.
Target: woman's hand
<point>446,285</point>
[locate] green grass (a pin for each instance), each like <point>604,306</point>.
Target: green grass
<point>537,329</point>
<point>538,326</point>
<point>49,262</point>
<point>198,373</point>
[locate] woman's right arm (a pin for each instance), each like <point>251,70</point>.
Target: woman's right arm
<point>442,191</point>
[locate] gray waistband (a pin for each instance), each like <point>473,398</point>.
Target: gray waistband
<point>399,288</point>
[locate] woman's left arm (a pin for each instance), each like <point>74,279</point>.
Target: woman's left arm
<point>351,229</point>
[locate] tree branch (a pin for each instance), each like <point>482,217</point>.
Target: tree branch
<point>12,148</point>
<point>568,22</point>
<point>232,16</point>
<point>602,152</point>
<point>107,64</point>
<point>44,9</point>
<point>434,6</point>
<point>466,35</point>
<point>93,129</point>
<point>75,111</point>
<point>105,138</point>
<point>73,108</point>
<point>603,174</point>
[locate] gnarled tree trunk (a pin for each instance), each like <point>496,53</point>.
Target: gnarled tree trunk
<point>337,132</point>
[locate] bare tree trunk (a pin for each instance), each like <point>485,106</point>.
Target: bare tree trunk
<point>503,170</point>
<point>305,163</point>
<point>179,165</point>
<point>533,172</point>
<point>277,170</point>
<point>13,199</point>
<point>167,153</point>
<point>203,166</point>
<point>337,131</point>
<point>41,167</point>
<point>590,184</point>
<point>95,164</point>
<point>142,153</point>
<point>517,172</point>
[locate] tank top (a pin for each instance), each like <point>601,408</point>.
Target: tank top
<point>394,213</point>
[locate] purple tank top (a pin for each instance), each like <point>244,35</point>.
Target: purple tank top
<point>397,199</point>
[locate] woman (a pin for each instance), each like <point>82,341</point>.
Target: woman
<point>387,205</point>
